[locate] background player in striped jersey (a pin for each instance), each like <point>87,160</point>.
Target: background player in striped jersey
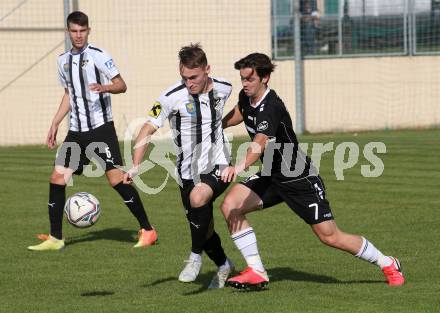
<point>88,75</point>
<point>194,107</point>
<point>288,175</point>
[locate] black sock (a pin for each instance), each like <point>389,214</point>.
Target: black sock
<point>199,220</point>
<point>132,200</point>
<point>57,197</point>
<point>214,250</point>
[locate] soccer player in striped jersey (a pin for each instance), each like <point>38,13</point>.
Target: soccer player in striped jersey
<point>88,75</point>
<point>288,175</point>
<point>194,107</point>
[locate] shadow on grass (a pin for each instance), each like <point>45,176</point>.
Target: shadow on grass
<point>160,281</point>
<point>287,273</point>
<point>275,274</point>
<point>202,282</point>
<point>97,293</point>
<point>115,234</point>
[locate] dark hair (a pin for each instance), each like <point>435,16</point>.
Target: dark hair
<point>259,62</point>
<point>192,56</point>
<point>78,18</point>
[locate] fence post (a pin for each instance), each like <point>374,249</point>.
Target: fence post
<point>341,4</point>
<point>405,28</point>
<point>411,29</point>
<point>67,44</point>
<point>75,5</point>
<point>299,70</point>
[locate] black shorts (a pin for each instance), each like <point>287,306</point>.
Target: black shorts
<point>212,179</point>
<point>79,148</point>
<point>305,196</point>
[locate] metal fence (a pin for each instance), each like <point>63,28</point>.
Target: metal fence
<point>347,28</point>
<point>144,37</point>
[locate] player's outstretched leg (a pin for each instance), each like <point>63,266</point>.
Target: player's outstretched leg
<point>331,235</point>
<point>390,265</point>
<point>393,273</point>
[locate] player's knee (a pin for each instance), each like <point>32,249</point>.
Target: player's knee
<point>226,207</point>
<point>331,240</point>
<point>114,182</point>
<point>230,208</point>
<point>197,200</point>
<point>56,179</point>
<point>59,178</point>
<point>114,177</point>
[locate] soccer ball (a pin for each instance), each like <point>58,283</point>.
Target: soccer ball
<point>82,209</point>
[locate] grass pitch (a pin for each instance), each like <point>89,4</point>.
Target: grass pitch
<point>99,271</point>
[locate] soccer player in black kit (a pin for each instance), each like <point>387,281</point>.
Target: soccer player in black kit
<point>288,175</point>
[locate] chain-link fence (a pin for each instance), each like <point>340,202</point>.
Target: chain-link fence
<point>32,36</point>
<point>345,28</point>
<point>144,36</point>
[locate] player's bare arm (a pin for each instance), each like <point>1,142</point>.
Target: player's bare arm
<point>117,86</point>
<point>63,109</point>
<point>140,147</point>
<point>253,153</point>
<point>234,117</point>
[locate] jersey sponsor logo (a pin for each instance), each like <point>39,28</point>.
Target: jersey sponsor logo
<point>190,108</point>
<point>262,126</point>
<point>109,64</point>
<point>155,110</point>
<point>66,67</point>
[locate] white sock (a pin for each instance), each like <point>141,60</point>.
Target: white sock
<point>246,242</point>
<point>195,257</point>
<point>370,253</point>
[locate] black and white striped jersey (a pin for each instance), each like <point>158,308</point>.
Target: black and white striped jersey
<point>88,110</point>
<point>196,124</point>
<point>271,118</point>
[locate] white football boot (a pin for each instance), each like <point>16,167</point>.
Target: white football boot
<point>190,271</point>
